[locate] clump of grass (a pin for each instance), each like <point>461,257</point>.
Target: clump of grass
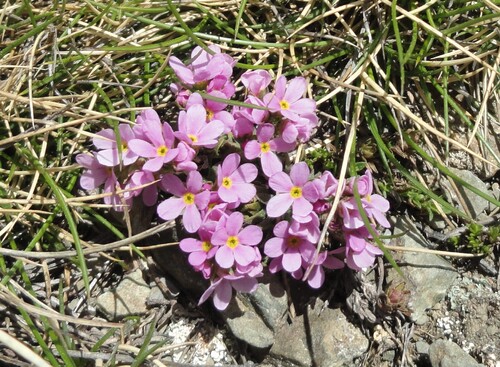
<point>401,88</point>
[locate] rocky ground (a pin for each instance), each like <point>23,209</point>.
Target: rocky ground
<point>443,312</point>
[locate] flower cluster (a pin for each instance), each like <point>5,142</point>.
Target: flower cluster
<point>172,168</point>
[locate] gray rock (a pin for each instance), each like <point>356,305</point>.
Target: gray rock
<point>129,297</point>
<point>246,325</point>
<point>270,301</point>
<point>474,203</point>
<point>444,353</point>
<point>430,276</point>
<point>322,337</point>
<point>422,347</point>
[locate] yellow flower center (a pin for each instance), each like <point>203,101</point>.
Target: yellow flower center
<point>265,147</point>
<point>232,241</point>
<point>284,105</point>
<point>124,146</point>
<point>206,246</point>
<point>227,182</point>
<point>296,192</point>
<point>188,198</point>
<point>193,138</point>
<point>368,198</point>
<point>161,150</point>
<point>210,115</point>
<point>293,242</point>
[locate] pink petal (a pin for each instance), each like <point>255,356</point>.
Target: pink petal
<point>246,192</point>
<point>310,192</point>
<point>245,173</point>
<point>153,131</point>
<point>274,247</point>
<point>191,218</point>
<point>296,88</point>
<point>230,164</point>
<point>105,139</point>
<point>300,174</point>
<point>219,237</point>
<point>281,183</point>
<point>302,106</point>
<point>90,180</point>
<point>224,257</point>
<point>265,132</point>
<point>291,261</point>
<point>244,255</point>
<point>281,229</point>
<point>202,199</point>
<point>173,184</point>
<point>252,149</point>
<point>154,164</point>
<point>280,87</point>
<point>251,235</point>
<point>142,148</point>
<point>182,72</point>
<point>195,119</point>
<point>168,135</point>
<point>108,157</point>
<point>301,207</point>
<point>197,258</point>
<point>316,277</point>
<point>279,204</point>
<point>222,295</point>
<point>234,223</point>
<point>194,181</point>
<point>228,195</point>
<point>290,133</point>
<point>171,208</point>
<point>190,245</point>
<point>271,164</point>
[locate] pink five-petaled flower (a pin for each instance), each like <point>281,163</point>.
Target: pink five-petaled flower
<point>160,146</point>
<point>107,141</point>
<point>200,250</point>
<point>236,244</point>
<point>194,130</point>
<point>190,199</point>
<point>286,249</point>
<point>256,81</point>
<point>203,67</point>
<point>359,253</point>
<point>264,147</point>
<point>288,100</point>
<point>374,205</point>
<point>293,190</point>
<point>234,180</point>
<point>222,289</point>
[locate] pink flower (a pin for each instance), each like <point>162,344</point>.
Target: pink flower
<point>286,249</point>
<point>360,254</point>
<point>234,180</point>
<point>256,81</point>
<point>107,141</point>
<point>374,205</point>
<point>95,174</point>
<point>288,100</point>
<point>222,289</point>
<point>300,129</point>
<point>194,130</point>
<point>292,191</point>
<point>184,159</point>
<point>203,66</point>
<point>159,149</point>
<point>150,192</point>
<point>236,243</point>
<point>264,147</point>
<point>214,110</point>
<point>189,199</point>
<point>200,251</point>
